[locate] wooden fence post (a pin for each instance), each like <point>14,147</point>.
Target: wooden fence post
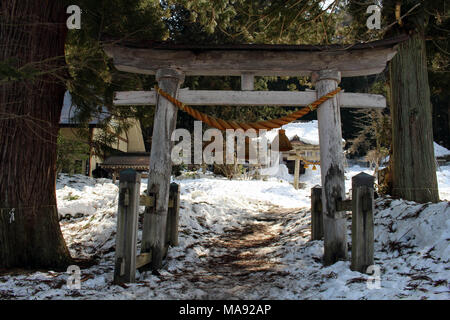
<point>332,168</point>
<point>127,226</point>
<point>362,222</point>
<point>316,213</point>
<point>296,172</point>
<point>155,217</point>
<point>173,215</point>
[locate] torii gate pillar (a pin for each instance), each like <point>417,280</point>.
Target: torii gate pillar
<point>332,168</point>
<point>155,218</point>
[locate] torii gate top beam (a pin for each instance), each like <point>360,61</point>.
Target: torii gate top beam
<point>260,60</point>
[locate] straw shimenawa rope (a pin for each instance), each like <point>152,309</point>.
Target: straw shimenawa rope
<point>260,125</point>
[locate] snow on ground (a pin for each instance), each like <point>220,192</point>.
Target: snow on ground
<point>247,239</point>
<point>443,177</point>
<point>81,195</point>
<point>439,152</point>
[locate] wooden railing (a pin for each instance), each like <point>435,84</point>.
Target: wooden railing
<point>361,206</point>
<point>127,260</point>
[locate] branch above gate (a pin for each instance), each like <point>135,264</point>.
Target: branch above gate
<point>250,98</point>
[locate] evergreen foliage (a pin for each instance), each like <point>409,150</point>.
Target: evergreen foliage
<point>70,151</point>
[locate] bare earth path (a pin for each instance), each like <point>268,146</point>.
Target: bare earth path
<point>246,260</point>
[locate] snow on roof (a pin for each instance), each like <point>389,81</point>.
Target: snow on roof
<point>440,151</point>
<point>307,132</point>
<point>69,111</point>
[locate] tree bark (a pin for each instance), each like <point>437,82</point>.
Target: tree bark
<point>32,33</point>
<point>413,163</point>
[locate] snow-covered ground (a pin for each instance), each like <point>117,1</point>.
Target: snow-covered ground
<point>248,239</point>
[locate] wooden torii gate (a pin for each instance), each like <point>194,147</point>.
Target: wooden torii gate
<point>326,64</point>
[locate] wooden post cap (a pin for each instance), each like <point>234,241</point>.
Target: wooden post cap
<point>174,187</point>
<point>130,175</point>
<point>169,73</point>
<point>363,179</point>
<point>326,75</point>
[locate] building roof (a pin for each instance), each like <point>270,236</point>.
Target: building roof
<point>134,160</point>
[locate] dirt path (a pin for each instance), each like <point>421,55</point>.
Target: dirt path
<point>246,259</point>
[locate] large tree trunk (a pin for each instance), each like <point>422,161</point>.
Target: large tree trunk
<point>31,32</point>
<point>413,163</point>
